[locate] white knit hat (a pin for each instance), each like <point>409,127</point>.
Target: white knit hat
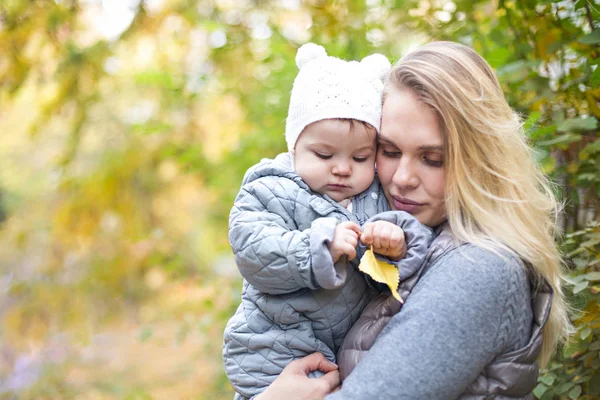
<point>328,87</point>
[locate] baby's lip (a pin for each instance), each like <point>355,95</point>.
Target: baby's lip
<point>337,186</point>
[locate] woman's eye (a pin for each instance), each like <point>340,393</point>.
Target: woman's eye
<point>360,159</point>
<point>324,156</point>
<point>391,154</point>
<point>432,162</point>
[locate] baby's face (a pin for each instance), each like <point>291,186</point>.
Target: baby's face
<point>336,157</point>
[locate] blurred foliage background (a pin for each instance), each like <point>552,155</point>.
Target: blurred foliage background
<point>126,127</point>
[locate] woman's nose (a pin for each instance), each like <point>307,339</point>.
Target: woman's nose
<point>406,175</point>
<point>342,168</point>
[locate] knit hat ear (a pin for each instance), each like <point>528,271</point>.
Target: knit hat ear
<point>378,64</point>
<point>309,52</point>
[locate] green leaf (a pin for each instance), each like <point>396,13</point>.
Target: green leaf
<point>593,147</point>
<point>591,38</point>
<point>575,252</point>
<point>151,127</point>
<point>537,132</point>
<point>582,379</point>
<point>548,165</point>
<point>498,56</point>
<point>577,278</point>
<point>564,387</point>
<point>516,71</point>
<point>539,390</point>
<point>580,263</point>
<point>575,392</point>
<point>592,276</point>
<point>549,395</point>
<point>587,177</point>
<point>591,243</point>
<point>585,333</point>
<point>531,120</point>
<point>594,386</point>
<point>578,124</point>
<point>580,286</point>
<point>596,77</point>
<point>562,139</point>
<point>548,379</point>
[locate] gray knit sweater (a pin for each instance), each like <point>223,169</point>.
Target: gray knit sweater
<point>470,306</point>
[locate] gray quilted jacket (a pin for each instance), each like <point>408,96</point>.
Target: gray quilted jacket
<point>295,301</point>
<point>512,375</point>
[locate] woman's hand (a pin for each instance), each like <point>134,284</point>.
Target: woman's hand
<point>386,239</point>
<point>293,382</point>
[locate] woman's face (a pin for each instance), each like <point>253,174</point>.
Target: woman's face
<point>410,158</point>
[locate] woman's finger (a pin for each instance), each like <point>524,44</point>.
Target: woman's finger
<point>312,362</point>
<point>331,380</point>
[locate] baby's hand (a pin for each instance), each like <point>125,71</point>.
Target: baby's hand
<point>386,238</point>
<point>345,240</point>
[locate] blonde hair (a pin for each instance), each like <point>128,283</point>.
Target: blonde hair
<point>496,196</point>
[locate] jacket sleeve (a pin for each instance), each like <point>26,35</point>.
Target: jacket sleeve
<point>270,254</point>
<point>418,239</point>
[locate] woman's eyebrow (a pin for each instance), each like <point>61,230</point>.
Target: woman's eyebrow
<point>431,148</point>
<point>384,140</point>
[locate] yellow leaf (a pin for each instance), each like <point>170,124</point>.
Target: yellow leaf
<point>381,272</point>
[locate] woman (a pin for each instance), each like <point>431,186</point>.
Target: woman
<point>453,154</point>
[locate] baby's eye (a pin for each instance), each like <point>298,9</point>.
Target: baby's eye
<point>360,159</point>
<point>323,156</point>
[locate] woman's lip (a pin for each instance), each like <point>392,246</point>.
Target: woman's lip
<point>406,201</point>
<point>403,204</point>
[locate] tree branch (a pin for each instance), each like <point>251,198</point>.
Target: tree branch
<point>588,13</point>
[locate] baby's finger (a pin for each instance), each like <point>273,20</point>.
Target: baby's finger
<point>397,238</point>
<point>351,240</point>
<point>355,227</point>
<point>367,234</point>
<point>352,234</point>
<point>377,236</point>
<point>350,251</point>
<point>386,234</point>
<point>351,226</point>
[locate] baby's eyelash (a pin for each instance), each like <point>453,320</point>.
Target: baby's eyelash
<point>323,156</point>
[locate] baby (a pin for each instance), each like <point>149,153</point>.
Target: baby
<point>296,224</point>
